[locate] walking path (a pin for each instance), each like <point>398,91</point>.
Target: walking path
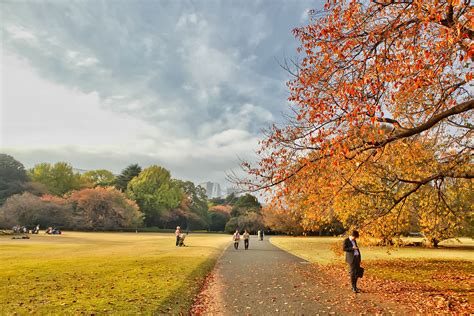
<point>267,280</point>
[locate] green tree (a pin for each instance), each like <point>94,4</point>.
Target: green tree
<point>13,177</point>
<point>155,193</point>
<point>246,203</point>
<point>219,215</point>
<point>58,178</point>
<point>100,177</point>
<point>196,201</point>
<point>11,169</point>
<point>232,225</point>
<point>127,174</point>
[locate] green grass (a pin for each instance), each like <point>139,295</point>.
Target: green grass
<point>104,272</point>
<point>447,268</point>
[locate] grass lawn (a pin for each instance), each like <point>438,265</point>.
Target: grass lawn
<point>448,268</point>
<point>104,272</point>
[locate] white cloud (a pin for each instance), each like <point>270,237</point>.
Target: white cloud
<point>80,60</point>
<point>107,84</point>
<point>20,33</point>
<point>52,115</point>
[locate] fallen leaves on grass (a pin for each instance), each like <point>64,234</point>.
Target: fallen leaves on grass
<point>420,296</point>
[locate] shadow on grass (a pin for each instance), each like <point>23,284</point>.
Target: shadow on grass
<point>179,302</point>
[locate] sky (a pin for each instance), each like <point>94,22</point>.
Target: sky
<point>187,85</point>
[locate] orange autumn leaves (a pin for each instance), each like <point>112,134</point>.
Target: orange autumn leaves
<point>374,79</point>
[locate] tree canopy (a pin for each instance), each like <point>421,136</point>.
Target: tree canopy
<point>127,174</point>
<point>58,178</point>
<point>100,177</point>
<point>377,81</point>
<point>155,193</point>
<point>12,177</point>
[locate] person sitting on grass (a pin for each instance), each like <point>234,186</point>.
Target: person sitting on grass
<point>236,239</point>
<point>181,240</point>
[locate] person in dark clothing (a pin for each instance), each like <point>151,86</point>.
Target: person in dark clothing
<point>353,258</point>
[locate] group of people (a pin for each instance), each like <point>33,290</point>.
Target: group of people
<point>17,229</point>
<point>350,247</point>
<point>53,231</point>
<point>236,237</point>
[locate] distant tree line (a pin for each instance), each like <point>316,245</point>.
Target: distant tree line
<point>55,195</point>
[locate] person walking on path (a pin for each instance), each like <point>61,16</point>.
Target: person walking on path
<point>261,234</point>
<point>236,238</point>
<point>177,233</point>
<point>353,258</point>
<point>246,236</point>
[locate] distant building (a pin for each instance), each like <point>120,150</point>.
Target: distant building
<point>213,189</point>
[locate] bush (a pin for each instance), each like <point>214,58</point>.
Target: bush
<point>103,209</point>
<point>219,216</point>
<point>232,225</point>
<point>29,210</point>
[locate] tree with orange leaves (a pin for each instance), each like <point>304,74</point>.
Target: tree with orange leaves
<point>374,75</point>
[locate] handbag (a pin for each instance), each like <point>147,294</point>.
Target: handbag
<point>360,272</point>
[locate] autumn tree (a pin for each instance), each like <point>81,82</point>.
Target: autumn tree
<point>30,210</point>
<point>127,174</point>
<point>103,209</point>
<point>59,178</point>
<point>283,220</point>
<point>374,77</point>
<point>445,209</point>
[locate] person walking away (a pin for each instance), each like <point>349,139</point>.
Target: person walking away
<point>177,233</point>
<point>236,238</point>
<point>258,234</point>
<point>353,258</point>
<point>246,236</point>
<point>261,234</point>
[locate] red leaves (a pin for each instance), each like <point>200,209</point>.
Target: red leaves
<point>358,65</point>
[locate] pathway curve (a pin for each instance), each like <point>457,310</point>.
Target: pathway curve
<point>266,280</point>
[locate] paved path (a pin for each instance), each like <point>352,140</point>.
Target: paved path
<point>266,280</point>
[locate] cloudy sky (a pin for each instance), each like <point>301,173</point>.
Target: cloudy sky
<point>187,85</point>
